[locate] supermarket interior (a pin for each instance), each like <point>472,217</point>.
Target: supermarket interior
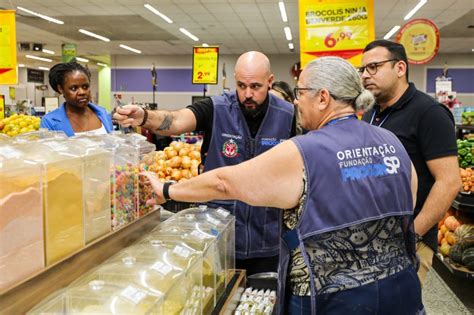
<point>95,93</point>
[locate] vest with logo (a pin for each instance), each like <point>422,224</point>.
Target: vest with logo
<point>257,228</point>
<point>356,173</point>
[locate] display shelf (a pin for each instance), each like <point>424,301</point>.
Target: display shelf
<point>465,127</point>
<point>455,269</point>
<point>22,297</point>
<point>224,305</point>
<point>464,202</point>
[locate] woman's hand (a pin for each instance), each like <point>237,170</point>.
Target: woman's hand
<point>155,183</point>
<point>129,115</point>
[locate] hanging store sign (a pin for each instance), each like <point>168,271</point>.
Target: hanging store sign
<point>35,76</point>
<point>420,38</point>
<point>205,64</point>
<point>339,28</point>
<point>8,70</point>
<point>68,52</point>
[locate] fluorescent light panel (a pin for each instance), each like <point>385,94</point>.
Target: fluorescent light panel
<point>161,15</point>
<point>43,68</point>
<point>288,33</point>
<point>82,59</point>
<point>44,17</point>
<point>39,58</point>
<point>105,39</point>
<point>284,17</point>
<point>187,33</point>
<point>21,65</point>
<point>48,51</point>
<point>291,46</point>
<point>415,9</point>
<point>391,32</point>
<point>205,45</point>
<point>102,64</point>
<point>130,48</point>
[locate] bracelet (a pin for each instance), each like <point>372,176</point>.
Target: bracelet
<point>166,190</point>
<point>145,117</point>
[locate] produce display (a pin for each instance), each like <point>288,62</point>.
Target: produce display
<point>18,124</point>
<point>467,177</point>
<point>465,153</point>
<point>456,239</point>
<point>467,118</point>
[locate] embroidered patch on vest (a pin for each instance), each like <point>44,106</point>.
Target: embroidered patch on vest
<point>230,149</point>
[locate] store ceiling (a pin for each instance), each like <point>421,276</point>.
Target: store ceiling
<point>235,25</point>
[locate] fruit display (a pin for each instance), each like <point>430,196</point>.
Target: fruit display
<point>18,124</point>
<point>465,153</point>
<point>179,161</point>
<point>467,177</point>
<point>467,118</point>
<point>456,239</point>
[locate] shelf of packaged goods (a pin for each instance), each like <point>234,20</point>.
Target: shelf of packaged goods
<point>464,202</point>
<point>454,268</point>
<point>25,295</point>
<point>465,127</point>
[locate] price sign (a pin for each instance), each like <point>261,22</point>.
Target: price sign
<point>8,72</point>
<point>420,38</point>
<point>335,28</point>
<point>205,64</point>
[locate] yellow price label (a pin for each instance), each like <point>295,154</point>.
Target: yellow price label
<point>205,64</point>
<point>8,72</point>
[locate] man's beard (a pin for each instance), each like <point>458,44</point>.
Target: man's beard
<point>250,107</point>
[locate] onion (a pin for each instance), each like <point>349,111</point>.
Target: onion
<point>186,162</point>
<point>175,162</point>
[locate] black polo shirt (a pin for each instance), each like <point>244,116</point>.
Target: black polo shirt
<point>427,131</point>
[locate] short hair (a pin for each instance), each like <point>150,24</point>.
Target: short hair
<point>284,89</point>
<point>340,78</point>
<point>396,50</point>
<point>58,72</point>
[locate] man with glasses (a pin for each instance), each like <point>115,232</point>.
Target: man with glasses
<point>426,129</point>
<point>237,126</point>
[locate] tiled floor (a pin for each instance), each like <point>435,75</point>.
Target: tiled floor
<point>439,299</point>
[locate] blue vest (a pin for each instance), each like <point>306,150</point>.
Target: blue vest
<point>356,173</point>
<point>257,228</point>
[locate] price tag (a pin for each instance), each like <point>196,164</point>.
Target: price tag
<point>133,294</point>
<point>223,212</point>
<point>10,152</point>
<point>181,251</point>
<point>161,268</point>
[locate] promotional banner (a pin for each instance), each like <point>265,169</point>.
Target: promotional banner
<point>205,64</point>
<point>8,70</point>
<point>420,38</point>
<point>68,52</point>
<point>335,28</point>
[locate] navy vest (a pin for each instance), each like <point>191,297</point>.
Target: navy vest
<point>356,173</point>
<point>257,228</point>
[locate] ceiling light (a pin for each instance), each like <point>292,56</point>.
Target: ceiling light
<point>82,59</point>
<point>288,33</point>
<point>43,68</point>
<point>281,4</point>
<point>102,64</point>
<point>291,46</point>
<point>44,17</point>
<point>415,9</point>
<point>38,58</point>
<point>473,50</point>
<point>20,65</point>
<point>187,33</point>
<point>48,51</point>
<point>391,32</point>
<point>161,15</point>
<point>105,39</point>
<point>205,45</point>
<point>130,48</point>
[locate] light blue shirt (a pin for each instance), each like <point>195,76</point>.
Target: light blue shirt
<point>58,120</point>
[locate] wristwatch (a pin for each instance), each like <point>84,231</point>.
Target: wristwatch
<point>166,192</point>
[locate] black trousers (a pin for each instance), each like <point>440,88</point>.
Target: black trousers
<point>257,265</point>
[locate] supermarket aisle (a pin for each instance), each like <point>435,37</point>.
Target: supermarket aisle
<point>439,299</point>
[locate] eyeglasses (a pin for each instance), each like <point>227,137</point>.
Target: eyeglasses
<point>297,90</point>
<point>374,66</point>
